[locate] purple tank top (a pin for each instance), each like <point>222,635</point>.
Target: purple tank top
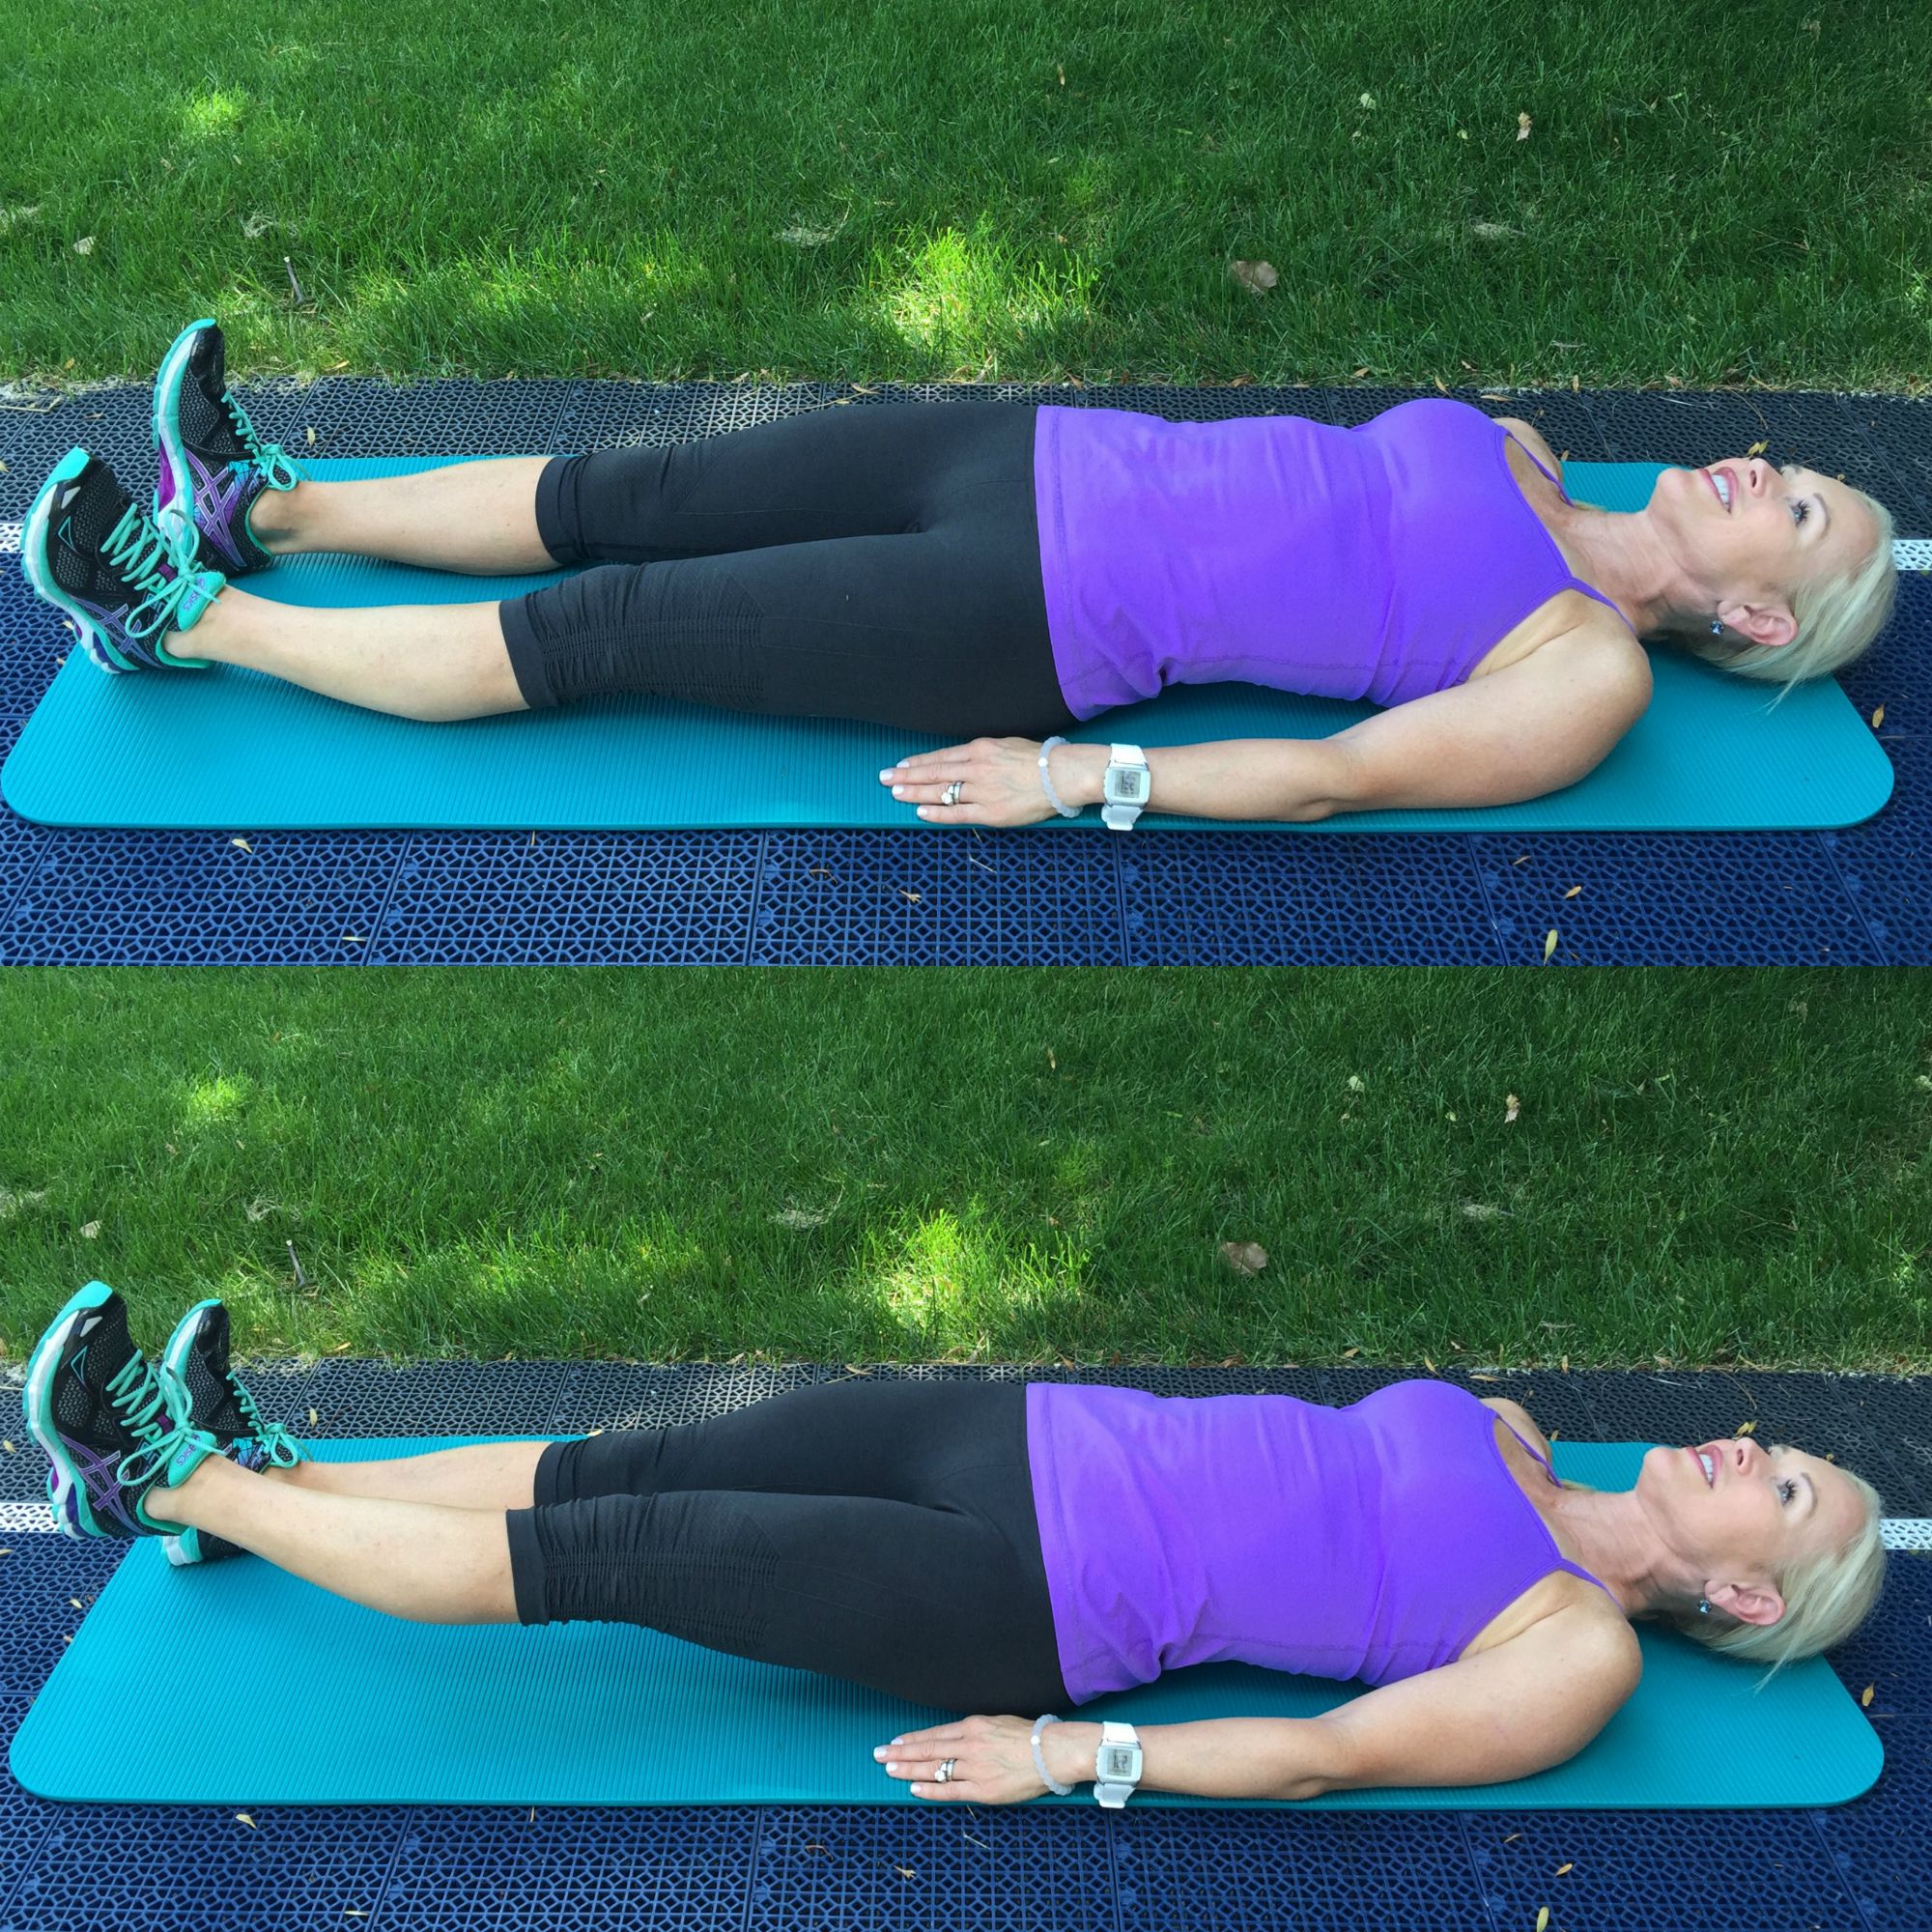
<point>1372,1541</point>
<point>1377,563</point>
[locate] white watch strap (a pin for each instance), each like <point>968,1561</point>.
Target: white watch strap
<point>1118,815</point>
<point>1111,1794</point>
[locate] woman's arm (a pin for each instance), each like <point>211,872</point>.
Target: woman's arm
<point>1519,1708</point>
<point>1533,727</point>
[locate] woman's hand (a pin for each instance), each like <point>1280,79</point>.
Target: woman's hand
<point>991,1759</point>
<point>997,779</point>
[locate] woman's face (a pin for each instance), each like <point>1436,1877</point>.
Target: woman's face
<point>1736,1511</point>
<point>1748,533</point>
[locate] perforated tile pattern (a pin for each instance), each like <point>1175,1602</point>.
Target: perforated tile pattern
<point>1408,1872</point>
<point>1674,900</point>
<point>1882,1844</point>
<point>805,898</point>
<point>161,1869</point>
<point>1721,1872</point>
<point>1255,899</point>
<point>910,898</point>
<point>571,899</point>
<point>353,1397</point>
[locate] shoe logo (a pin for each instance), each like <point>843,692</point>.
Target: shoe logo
<point>80,1363</point>
<point>65,535</point>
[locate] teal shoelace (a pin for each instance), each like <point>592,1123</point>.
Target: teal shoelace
<point>278,470</point>
<point>281,1447</point>
<point>143,555</point>
<point>138,1393</point>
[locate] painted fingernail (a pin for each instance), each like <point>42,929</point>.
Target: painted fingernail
<point>880,1753</point>
<point>923,812</point>
<point>887,775</point>
<point>898,791</point>
<point>892,1766</point>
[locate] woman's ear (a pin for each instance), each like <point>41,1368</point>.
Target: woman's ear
<point>1768,625</point>
<point>1748,1603</point>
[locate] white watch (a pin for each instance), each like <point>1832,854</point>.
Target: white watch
<point>1124,789</point>
<point>1116,1766</point>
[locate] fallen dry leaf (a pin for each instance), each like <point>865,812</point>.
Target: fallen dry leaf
<point>1573,892</point>
<point>1512,1107</point>
<point>1257,277</point>
<point>1356,1084</point>
<point>242,1818</point>
<point>85,245</point>
<point>1758,449</point>
<point>310,434</point>
<point>1541,1918</point>
<point>1244,1257</point>
<point>1878,717</point>
<point>91,1232</point>
<point>802,1217</point>
<point>1523,123</point>
<point>1865,1698</point>
<point>242,845</point>
<point>1549,945</point>
<point>1561,1869</point>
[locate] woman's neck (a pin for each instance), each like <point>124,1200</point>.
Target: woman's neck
<point>1605,1532</point>
<point>1623,554</point>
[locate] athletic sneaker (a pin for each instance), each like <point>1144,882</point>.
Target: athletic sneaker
<point>196,1357</point>
<point>89,552</point>
<point>212,465</point>
<point>111,1426</point>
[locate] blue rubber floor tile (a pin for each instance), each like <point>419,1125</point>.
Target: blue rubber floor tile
<point>1717,901</point>
<point>1279,898</point>
<point>1900,433</point>
<point>355,1398</point>
<point>49,1580</point>
<point>954,1865</point>
<point>571,1872</point>
<point>201,899</point>
<point>1816,432</point>
<point>170,1868</point>
<point>571,899</point>
<point>355,416</point>
<point>920,897</point>
<point>638,1395</point>
<point>1394,1871</point>
<point>1889,1655</point>
<point>1899,1416</point>
<point>1882,1844</point>
<point>1719,1872</point>
<point>24,1820</point>
<point>1691,427</point>
<point>1886,867</point>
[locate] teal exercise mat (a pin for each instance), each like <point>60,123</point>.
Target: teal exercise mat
<point>253,1688</point>
<point>226,750</point>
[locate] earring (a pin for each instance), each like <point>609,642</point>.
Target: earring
<point>1703,1606</point>
<point>1717,627</point>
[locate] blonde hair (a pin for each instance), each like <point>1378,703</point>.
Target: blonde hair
<point>1838,619</point>
<point>1826,1597</point>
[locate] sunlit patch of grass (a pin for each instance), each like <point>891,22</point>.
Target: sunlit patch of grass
<point>972,299</point>
<point>212,116</point>
<point>215,1102</point>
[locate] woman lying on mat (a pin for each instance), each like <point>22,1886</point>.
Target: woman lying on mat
<point>1004,570</point>
<point>998,1547</point>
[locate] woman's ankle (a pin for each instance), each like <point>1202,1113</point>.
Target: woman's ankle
<point>278,519</point>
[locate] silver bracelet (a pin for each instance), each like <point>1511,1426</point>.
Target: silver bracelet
<point>1065,810</point>
<point>1046,1777</point>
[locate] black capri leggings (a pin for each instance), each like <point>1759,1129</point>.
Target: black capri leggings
<point>882,1532</point>
<point>877,562</point>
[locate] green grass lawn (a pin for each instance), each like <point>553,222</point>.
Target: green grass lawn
<point>1716,193</point>
<point>1015,1165</point>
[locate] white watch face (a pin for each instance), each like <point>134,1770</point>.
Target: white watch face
<point>1126,784</point>
<point>1118,1763</point>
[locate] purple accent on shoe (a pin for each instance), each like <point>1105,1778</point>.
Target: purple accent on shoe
<point>164,488</point>
<point>219,494</point>
<point>100,1477</point>
<point>249,1452</point>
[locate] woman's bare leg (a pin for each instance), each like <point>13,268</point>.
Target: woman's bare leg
<point>429,660</point>
<point>479,1476</point>
<point>418,1560</point>
<point>480,518</point>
